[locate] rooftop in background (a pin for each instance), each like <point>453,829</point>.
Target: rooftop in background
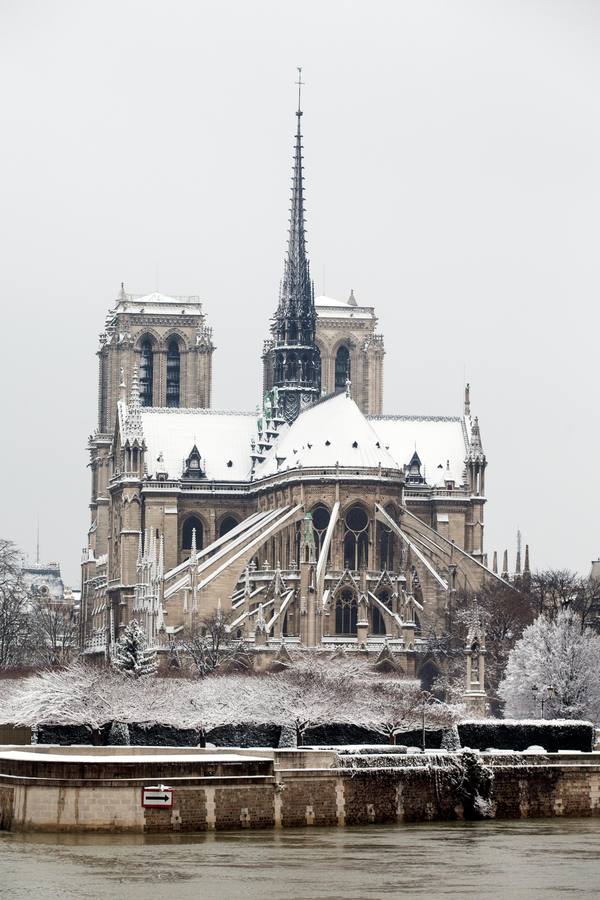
<point>329,308</point>
<point>44,580</point>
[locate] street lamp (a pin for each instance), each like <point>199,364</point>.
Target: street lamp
<point>546,692</point>
<point>425,697</point>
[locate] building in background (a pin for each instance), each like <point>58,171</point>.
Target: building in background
<point>51,636</point>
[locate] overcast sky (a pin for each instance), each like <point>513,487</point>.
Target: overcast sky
<point>452,162</point>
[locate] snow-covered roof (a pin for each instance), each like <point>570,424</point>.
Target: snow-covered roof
<point>328,308</point>
<point>329,433</point>
<point>221,437</point>
<point>440,441</point>
<point>157,303</point>
<point>332,432</point>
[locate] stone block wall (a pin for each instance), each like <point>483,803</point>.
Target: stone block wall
<point>104,795</point>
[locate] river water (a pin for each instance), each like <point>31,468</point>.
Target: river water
<point>528,858</point>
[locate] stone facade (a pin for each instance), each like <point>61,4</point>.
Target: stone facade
<point>313,521</point>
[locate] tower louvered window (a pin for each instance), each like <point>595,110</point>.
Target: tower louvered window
<point>146,374</point>
<point>342,368</point>
<point>173,374</point>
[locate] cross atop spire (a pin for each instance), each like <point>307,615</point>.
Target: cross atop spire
<point>296,288</point>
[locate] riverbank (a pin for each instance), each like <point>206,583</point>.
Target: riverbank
<point>79,789</point>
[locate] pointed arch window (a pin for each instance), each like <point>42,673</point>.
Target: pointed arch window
<point>378,621</point>
<point>386,547</point>
<point>356,539</point>
<point>342,368</point>
<point>346,613</point>
<point>192,524</point>
<point>173,373</point>
<point>227,525</point>
<point>146,373</point>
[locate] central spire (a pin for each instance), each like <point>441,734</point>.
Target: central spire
<point>296,287</point>
<point>292,358</point>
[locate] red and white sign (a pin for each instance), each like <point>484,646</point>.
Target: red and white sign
<point>157,796</point>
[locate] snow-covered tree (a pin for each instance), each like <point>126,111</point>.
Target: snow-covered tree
<point>392,705</point>
<point>78,695</point>
<point>314,690</point>
<point>555,662</point>
<point>132,655</point>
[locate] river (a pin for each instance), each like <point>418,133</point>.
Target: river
<point>527,858</point>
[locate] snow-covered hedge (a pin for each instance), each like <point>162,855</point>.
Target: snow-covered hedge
<point>64,735</point>
<point>515,734</point>
<point>336,734</point>
<point>244,735</point>
<point>154,734</point>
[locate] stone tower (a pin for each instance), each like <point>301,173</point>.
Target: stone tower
<point>291,358</point>
<point>167,341</point>
<point>351,350</point>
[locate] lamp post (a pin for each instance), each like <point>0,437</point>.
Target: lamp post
<point>425,697</point>
<point>546,692</point>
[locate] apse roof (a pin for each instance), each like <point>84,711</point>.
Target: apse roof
<point>332,432</point>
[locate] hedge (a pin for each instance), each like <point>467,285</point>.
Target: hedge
<point>514,734</point>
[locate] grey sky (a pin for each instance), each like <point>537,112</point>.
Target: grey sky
<point>452,169</point>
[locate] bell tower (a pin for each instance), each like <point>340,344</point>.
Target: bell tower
<point>291,358</point>
<point>167,340</point>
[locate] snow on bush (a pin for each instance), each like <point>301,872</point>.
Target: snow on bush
<point>132,655</point>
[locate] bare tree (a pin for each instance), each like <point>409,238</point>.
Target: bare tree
<point>553,589</point>
<point>15,623</point>
<point>586,603</point>
<point>210,646</point>
<point>392,705</point>
<point>53,631</point>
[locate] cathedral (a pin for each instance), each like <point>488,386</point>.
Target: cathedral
<point>315,520</point>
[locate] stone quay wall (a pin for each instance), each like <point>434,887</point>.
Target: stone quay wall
<point>75,790</point>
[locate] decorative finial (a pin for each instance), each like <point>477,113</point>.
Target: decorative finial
<point>299,83</point>
<point>467,399</point>
<point>134,398</point>
<point>352,299</point>
<point>348,387</point>
<point>122,294</point>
